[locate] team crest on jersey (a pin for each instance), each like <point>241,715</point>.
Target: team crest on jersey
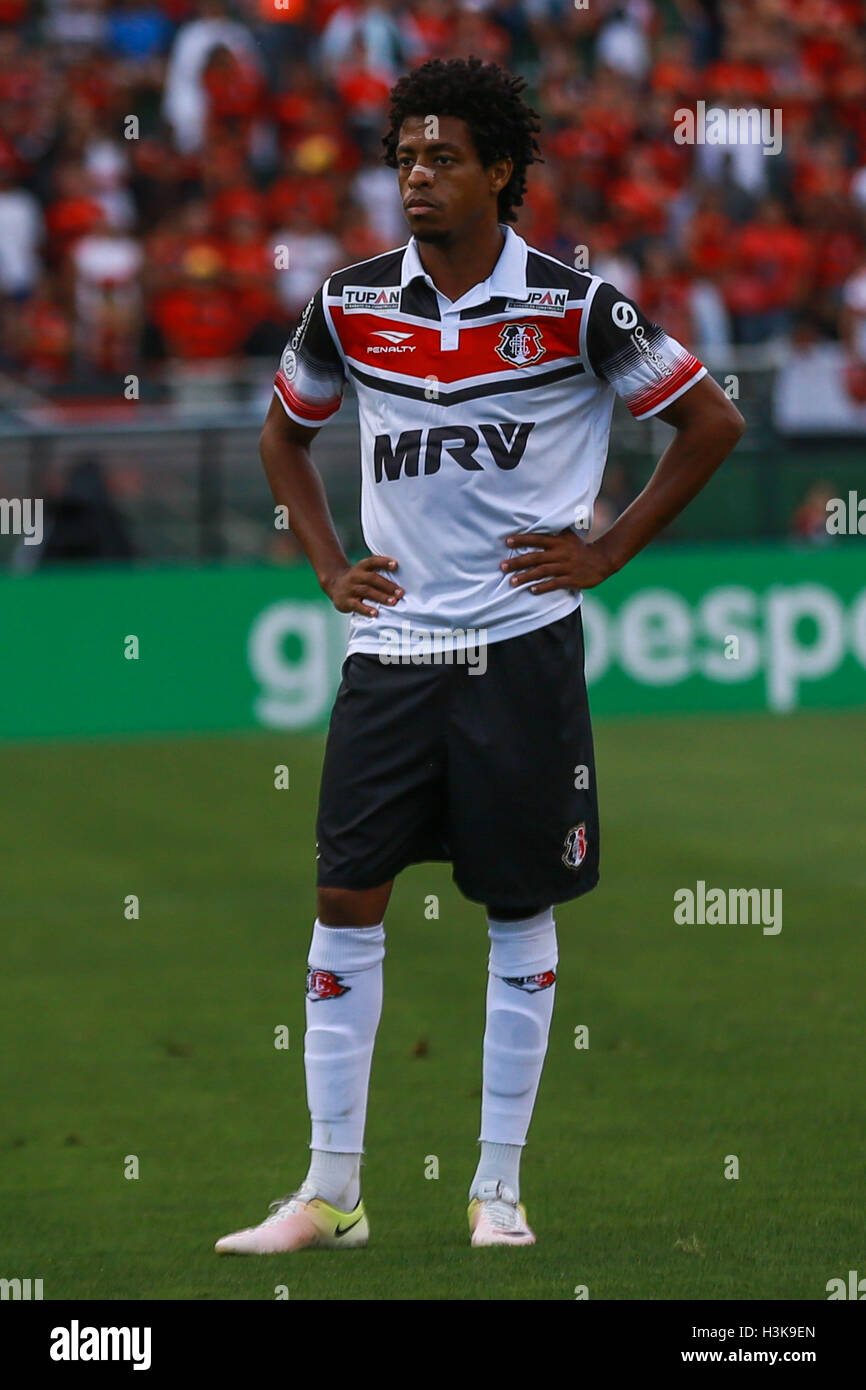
<point>574,851</point>
<point>520,343</point>
<point>542,302</point>
<point>324,984</point>
<point>371,299</point>
<point>531,984</point>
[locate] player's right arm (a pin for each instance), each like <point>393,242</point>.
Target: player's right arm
<point>307,392</point>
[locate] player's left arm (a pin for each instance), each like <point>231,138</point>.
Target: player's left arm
<point>707,425</point>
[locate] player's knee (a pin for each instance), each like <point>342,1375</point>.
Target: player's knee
<point>513,914</point>
<point>328,1045</point>
<point>352,907</point>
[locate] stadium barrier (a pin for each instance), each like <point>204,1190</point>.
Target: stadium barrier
<point>185,479</point>
<point>124,651</point>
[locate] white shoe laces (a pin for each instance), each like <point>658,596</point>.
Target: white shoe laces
<point>503,1216</point>
<point>286,1206</point>
<point>500,1207</point>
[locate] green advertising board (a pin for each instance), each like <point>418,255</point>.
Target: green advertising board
<point>147,651</point>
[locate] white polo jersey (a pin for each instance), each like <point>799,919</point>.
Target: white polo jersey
<point>479,419</point>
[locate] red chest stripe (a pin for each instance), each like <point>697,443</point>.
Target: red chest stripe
<point>476,355</point>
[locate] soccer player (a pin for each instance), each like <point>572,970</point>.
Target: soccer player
<point>486,373</point>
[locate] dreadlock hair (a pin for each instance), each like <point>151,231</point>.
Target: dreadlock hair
<point>488,99</point>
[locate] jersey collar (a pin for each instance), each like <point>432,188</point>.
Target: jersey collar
<point>507,278</point>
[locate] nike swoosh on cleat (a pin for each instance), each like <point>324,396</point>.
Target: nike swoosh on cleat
<point>344,1230</point>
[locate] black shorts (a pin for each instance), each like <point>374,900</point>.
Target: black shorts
<point>494,773</point>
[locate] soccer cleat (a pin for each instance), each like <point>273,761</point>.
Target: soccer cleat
<point>497,1218</point>
<point>299,1222</point>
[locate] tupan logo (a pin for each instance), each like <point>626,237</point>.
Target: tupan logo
<point>371,299</point>
<point>554,302</point>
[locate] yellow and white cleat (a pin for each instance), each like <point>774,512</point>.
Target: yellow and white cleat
<point>497,1218</point>
<point>300,1222</point>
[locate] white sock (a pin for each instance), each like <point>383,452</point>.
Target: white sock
<point>344,1003</point>
<point>520,992</point>
<point>498,1163</point>
<point>336,1178</point>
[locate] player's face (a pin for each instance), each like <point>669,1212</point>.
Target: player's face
<point>443,185</point>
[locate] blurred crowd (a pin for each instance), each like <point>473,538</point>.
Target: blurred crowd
<point>178,176</point>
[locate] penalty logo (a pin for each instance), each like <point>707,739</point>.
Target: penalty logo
<point>575,846</point>
<point>324,984</point>
<point>520,343</point>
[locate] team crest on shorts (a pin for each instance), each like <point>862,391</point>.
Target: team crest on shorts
<point>324,984</point>
<point>520,343</point>
<point>574,851</point>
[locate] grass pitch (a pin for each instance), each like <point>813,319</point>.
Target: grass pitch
<point>154,1037</point>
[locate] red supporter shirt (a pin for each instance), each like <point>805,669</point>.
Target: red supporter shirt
<point>709,242</point>
<point>314,196</point>
<point>200,323</point>
<point>768,266</point>
<point>68,219</point>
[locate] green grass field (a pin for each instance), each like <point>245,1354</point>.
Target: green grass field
<point>155,1037</point>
